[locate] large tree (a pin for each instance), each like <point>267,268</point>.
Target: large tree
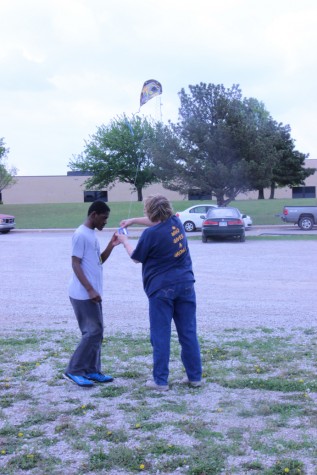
<point>119,152</point>
<point>203,145</point>
<point>6,174</point>
<point>223,144</point>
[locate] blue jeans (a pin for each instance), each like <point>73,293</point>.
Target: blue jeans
<point>177,302</point>
<point>87,356</point>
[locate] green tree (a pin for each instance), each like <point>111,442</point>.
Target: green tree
<point>223,145</point>
<point>6,174</point>
<point>119,152</point>
<point>290,169</point>
<point>206,144</point>
<point>256,137</point>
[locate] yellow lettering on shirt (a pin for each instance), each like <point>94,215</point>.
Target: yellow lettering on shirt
<point>180,252</point>
<point>175,231</point>
<point>178,238</point>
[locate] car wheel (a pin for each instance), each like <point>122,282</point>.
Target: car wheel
<point>203,238</point>
<point>242,237</point>
<point>306,223</point>
<point>189,226</point>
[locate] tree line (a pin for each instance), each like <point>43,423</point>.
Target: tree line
<point>222,144</point>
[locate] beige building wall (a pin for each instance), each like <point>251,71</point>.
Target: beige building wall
<point>70,189</point>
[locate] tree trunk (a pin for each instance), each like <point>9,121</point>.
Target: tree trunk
<point>272,191</point>
<point>140,195</point>
<point>261,194</point>
<point>220,199</point>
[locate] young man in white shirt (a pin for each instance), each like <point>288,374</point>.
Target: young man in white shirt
<point>85,293</point>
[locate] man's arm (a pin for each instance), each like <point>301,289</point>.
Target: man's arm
<point>114,241</point>
<point>76,265</point>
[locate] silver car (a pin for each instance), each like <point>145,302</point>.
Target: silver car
<point>7,223</point>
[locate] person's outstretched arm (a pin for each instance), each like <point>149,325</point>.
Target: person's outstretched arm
<point>126,244</point>
<point>143,221</point>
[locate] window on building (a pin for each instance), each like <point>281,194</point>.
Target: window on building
<point>196,194</point>
<point>90,196</point>
<point>304,192</point>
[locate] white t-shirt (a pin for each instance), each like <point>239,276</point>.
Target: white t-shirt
<point>86,247</point>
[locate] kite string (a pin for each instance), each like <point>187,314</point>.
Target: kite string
<point>150,89</point>
<point>134,182</point>
<point>137,168</point>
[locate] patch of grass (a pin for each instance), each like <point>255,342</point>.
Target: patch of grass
<point>18,342</point>
<point>208,460</point>
<point>286,466</point>
<point>41,418</point>
<point>120,457</point>
<point>104,433</point>
<point>270,384</point>
<point>70,215</point>
<point>82,410</point>
<point>110,392</point>
<point>130,374</point>
<point>31,461</point>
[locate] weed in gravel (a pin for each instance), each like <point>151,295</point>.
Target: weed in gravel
<point>286,466</point>
<point>207,460</point>
<point>29,461</point>
<point>41,418</point>
<point>104,433</point>
<point>110,391</point>
<point>119,457</point>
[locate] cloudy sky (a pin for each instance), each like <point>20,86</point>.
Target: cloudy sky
<point>68,66</point>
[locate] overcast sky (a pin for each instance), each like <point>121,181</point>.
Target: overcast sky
<point>68,66</point>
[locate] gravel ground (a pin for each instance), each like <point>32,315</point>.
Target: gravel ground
<point>249,286</point>
<point>270,283</point>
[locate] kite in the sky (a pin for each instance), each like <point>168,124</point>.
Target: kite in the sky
<point>150,89</point>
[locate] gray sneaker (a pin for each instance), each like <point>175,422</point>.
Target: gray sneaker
<point>158,387</point>
<point>192,384</point>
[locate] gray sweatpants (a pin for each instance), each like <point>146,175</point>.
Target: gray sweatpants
<point>87,356</point>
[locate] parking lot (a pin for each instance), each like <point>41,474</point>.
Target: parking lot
<point>257,283</point>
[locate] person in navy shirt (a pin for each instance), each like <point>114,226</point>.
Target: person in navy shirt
<point>168,281</point>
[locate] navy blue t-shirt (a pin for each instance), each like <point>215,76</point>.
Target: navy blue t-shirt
<point>163,251</point>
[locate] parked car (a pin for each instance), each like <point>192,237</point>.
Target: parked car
<point>191,217</point>
<point>192,220</point>
<point>223,222</point>
<point>7,223</point>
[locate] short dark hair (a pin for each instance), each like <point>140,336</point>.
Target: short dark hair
<point>99,207</point>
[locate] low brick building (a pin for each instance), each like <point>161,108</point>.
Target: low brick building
<point>71,188</point>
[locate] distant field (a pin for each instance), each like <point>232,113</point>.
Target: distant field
<point>70,215</point>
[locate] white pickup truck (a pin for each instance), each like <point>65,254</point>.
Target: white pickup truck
<point>304,216</point>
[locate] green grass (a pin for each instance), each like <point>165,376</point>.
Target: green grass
<point>262,423</point>
<point>70,215</point>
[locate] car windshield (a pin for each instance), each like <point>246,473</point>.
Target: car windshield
<point>223,213</point>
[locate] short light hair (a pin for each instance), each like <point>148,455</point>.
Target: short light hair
<point>158,208</point>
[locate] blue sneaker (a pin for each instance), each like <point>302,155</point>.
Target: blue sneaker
<point>99,377</point>
<point>79,380</point>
